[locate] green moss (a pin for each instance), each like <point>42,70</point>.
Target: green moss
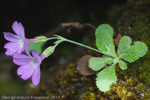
<point>70,84</point>
<point>10,88</point>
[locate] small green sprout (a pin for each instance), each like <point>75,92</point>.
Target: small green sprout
<point>126,52</point>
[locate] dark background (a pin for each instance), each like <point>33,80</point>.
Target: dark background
<point>40,17</point>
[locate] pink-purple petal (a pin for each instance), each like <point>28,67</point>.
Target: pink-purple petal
<point>11,47</point>
<point>9,52</point>
<point>36,76</point>
<point>35,54</point>
<point>26,71</point>
<point>39,59</point>
<point>11,37</point>
<point>20,56</point>
<point>26,48</point>
<point>10,44</point>
<point>21,59</point>
<point>22,32</point>
<point>20,50</point>
<point>18,29</point>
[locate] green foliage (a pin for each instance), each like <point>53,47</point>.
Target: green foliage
<point>36,46</point>
<point>104,40</point>
<point>105,78</point>
<point>134,52</point>
<point>105,29</point>
<point>124,43</point>
<point>126,52</point>
<point>122,64</point>
<point>96,63</point>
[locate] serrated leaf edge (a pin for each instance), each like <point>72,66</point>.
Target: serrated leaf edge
<point>113,65</point>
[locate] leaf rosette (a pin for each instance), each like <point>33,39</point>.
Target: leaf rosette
<point>126,53</point>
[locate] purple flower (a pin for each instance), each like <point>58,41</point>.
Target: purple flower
<point>29,66</point>
<point>17,42</point>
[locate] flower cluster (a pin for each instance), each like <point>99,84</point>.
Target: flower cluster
<point>29,66</point>
<point>18,43</point>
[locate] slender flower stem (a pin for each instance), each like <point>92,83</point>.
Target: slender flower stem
<point>62,39</point>
<point>77,43</point>
<point>52,38</point>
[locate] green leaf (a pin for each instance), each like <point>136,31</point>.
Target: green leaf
<point>124,43</point>
<point>36,46</point>
<point>105,78</point>
<point>106,56</point>
<point>134,52</point>
<point>105,29</point>
<point>122,65</point>
<point>104,40</point>
<point>96,63</point>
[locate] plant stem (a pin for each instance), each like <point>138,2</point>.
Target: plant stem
<point>52,38</point>
<point>62,39</point>
<point>77,43</point>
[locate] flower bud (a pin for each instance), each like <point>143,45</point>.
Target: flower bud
<point>41,39</point>
<point>48,51</point>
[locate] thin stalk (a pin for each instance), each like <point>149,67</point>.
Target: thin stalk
<point>62,39</point>
<point>52,38</point>
<point>77,43</point>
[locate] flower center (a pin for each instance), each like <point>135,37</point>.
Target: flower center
<point>21,42</point>
<point>35,61</point>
